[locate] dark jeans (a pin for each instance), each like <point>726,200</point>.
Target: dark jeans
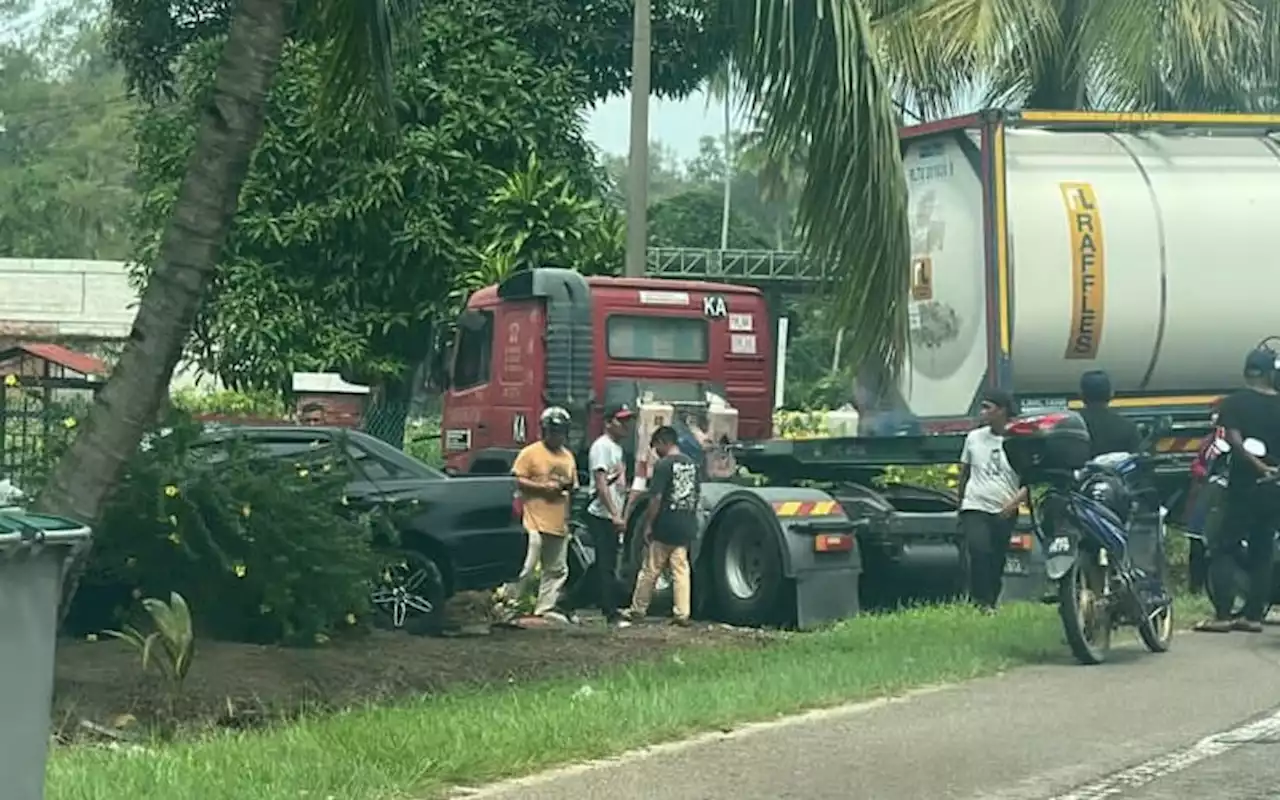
<point>986,540</point>
<point>1250,516</point>
<point>604,537</point>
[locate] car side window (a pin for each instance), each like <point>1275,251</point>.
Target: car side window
<point>289,448</point>
<point>473,362</point>
<point>374,468</point>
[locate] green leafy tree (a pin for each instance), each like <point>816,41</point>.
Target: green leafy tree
<point>808,66</point>
<point>693,219</point>
<point>667,177</point>
<point>65,148</point>
<point>347,240</point>
<point>538,217</point>
<point>1169,54</point>
<point>591,39</point>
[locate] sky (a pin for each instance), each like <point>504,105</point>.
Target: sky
<point>678,124</point>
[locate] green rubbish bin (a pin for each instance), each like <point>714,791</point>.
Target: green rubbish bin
<point>35,552</point>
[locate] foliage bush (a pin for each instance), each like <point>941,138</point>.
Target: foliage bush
<point>265,405</point>
<point>263,550</point>
<point>422,440</point>
<point>800,424</point>
<point>939,477</point>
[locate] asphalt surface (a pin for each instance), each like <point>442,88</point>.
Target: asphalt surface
<point>1202,721</point>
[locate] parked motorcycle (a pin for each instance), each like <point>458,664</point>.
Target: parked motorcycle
<point>1216,482</point>
<point>1102,528</point>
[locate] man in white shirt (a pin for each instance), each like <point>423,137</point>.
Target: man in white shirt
<point>990,495</point>
<point>606,515</point>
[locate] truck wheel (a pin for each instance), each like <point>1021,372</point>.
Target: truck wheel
<point>747,567</point>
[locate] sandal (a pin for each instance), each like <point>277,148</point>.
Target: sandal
<point>1214,626</point>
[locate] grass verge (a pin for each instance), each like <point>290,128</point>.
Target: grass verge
<point>478,736</point>
<point>422,748</point>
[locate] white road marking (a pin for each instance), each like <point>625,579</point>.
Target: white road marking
<point>506,787</point>
<point>1170,763</point>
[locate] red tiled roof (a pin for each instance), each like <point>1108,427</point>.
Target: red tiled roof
<point>70,359</point>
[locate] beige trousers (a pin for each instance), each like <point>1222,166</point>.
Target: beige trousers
<point>551,552</point>
<point>658,557</point>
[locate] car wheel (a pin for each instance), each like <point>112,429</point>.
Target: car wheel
<point>409,594</point>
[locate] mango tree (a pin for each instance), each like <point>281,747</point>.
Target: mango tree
<point>809,66</point>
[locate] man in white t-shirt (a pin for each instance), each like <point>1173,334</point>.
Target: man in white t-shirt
<point>606,515</point>
<point>990,495</point>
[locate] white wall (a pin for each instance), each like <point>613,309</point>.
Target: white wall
<point>50,299</point>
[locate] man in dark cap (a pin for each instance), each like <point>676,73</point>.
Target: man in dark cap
<point>1109,431</point>
<point>1253,510</point>
<point>606,518</point>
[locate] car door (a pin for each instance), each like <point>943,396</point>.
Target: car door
<point>470,516</point>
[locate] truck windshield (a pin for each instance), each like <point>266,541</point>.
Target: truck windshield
<point>681,339</point>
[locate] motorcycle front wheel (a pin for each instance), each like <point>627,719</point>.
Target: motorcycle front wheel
<point>1156,631</point>
<point>1086,617</point>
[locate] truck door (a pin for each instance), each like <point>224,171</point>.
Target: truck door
<point>465,424</point>
<point>517,397</point>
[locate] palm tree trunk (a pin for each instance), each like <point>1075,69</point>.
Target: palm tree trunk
<point>728,158</point>
<point>231,124</point>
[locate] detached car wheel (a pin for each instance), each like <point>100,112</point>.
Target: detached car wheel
<point>409,595</point>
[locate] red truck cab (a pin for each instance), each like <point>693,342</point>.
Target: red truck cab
<point>551,336</point>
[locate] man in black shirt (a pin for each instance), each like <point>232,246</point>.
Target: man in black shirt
<point>1108,431</point>
<point>1253,510</point>
<point>670,525</point>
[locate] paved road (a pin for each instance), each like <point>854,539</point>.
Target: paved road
<point>1199,722</point>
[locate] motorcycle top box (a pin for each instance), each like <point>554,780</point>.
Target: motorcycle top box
<point>1047,447</point>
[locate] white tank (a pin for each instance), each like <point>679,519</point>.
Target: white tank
<point>1149,255</point>
<point>842,421</point>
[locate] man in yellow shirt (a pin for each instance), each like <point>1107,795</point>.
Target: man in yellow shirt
<point>546,473</point>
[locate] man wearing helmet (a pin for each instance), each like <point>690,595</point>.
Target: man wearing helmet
<point>1109,432</point>
<point>546,473</point>
<point>1253,510</point>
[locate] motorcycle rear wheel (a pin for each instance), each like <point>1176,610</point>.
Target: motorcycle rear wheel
<point>1086,620</point>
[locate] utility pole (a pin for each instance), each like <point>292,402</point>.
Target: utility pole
<point>638,164</point>
<point>728,155</point>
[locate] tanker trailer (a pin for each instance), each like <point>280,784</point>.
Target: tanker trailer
<point>1047,244</point>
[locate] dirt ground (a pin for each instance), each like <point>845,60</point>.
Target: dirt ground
<point>100,685</point>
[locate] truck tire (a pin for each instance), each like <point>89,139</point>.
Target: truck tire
<point>750,588</point>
